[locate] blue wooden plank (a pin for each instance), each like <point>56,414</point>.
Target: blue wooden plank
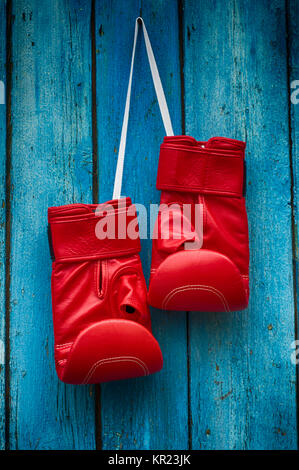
<point>2,217</point>
<point>149,413</point>
<point>293,36</point>
<point>242,379</point>
<point>51,165</point>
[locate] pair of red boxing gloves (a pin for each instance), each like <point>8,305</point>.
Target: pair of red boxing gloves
<point>200,255</point>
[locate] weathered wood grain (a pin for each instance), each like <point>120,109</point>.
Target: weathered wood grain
<point>237,80</point>
<point>51,165</point>
<point>293,37</point>
<point>2,220</point>
<point>242,379</point>
<point>149,413</point>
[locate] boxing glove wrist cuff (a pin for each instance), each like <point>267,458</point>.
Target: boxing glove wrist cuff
<point>195,167</point>
<point>77,230</point>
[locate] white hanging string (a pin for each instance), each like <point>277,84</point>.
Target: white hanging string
<point>161,100</point>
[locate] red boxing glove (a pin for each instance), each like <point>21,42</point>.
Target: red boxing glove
<point>201,266</point>
<point>102,324</point>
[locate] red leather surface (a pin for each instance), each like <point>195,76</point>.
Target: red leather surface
<point>195,168</point>
<point>102,325</point>
<point>112,350</point>
<point>215,276</point>
<point>73,230</point>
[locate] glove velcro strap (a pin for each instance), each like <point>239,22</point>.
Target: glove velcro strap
<point>201,170</point>
<point>80,236</point>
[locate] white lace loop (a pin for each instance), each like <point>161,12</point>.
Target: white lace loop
<point>161,100</point>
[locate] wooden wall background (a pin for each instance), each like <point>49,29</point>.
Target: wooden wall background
<point>227,67</point>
